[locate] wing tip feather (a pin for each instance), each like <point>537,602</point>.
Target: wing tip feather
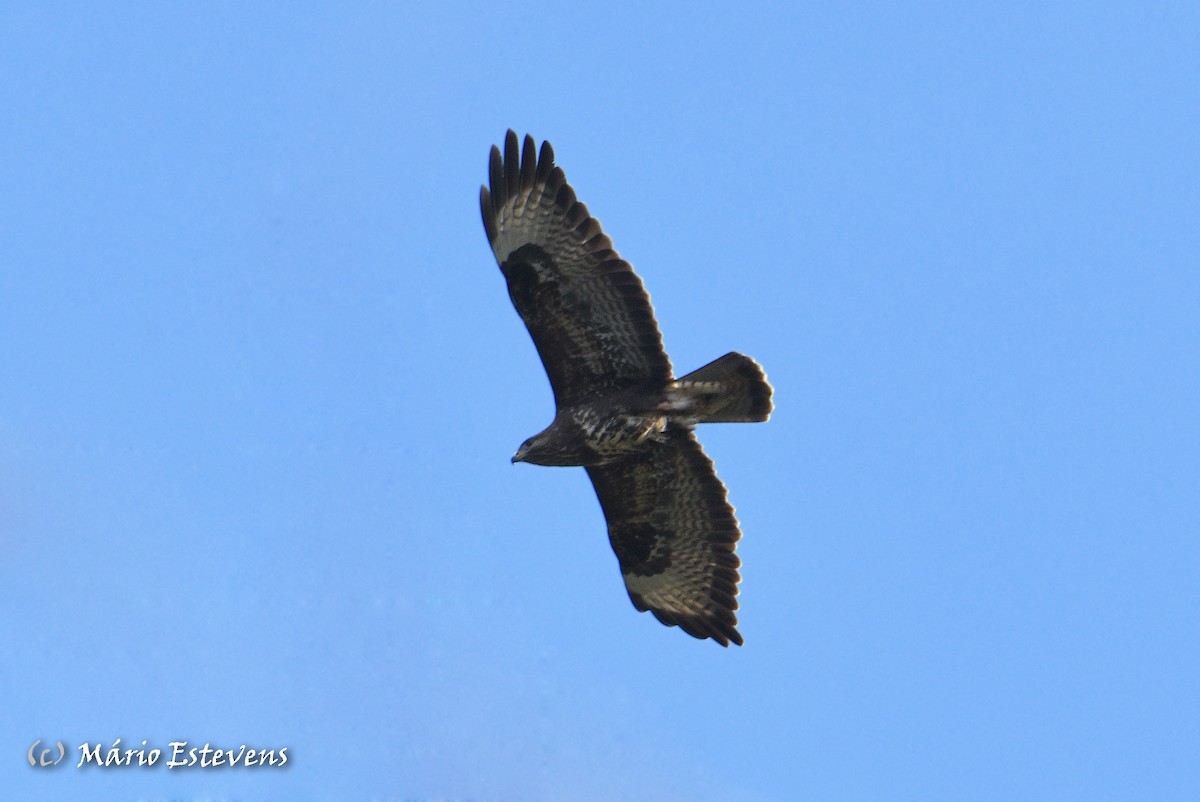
<point>512,164</point>
<point>721,632</point>
<point>489,214</point>
<point>718,621</point>
<point>528,164</point>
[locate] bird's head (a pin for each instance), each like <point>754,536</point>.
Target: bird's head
<point>538,450</point>
<point>528,449</point>
<point>549,448</point>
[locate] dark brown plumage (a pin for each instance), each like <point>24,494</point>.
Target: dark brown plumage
<point>619,413</point>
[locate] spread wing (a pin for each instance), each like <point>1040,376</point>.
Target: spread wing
<point>586,309</point>
<point>674,534</point>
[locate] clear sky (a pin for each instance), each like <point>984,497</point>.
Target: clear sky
<point>260,381</point>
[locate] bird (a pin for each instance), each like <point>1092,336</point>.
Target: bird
<point>619,412</point>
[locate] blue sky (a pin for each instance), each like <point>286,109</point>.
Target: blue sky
<point>262,380</point>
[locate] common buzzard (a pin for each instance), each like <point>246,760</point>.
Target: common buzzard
<point>619,412</point>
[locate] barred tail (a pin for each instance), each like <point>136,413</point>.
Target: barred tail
<point>733,389</point>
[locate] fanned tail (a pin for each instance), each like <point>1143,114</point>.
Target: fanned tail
<point>732,389</point>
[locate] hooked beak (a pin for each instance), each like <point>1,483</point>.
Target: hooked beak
<point>523,452</point>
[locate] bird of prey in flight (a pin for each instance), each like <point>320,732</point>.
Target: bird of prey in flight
<point>620,413</point>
